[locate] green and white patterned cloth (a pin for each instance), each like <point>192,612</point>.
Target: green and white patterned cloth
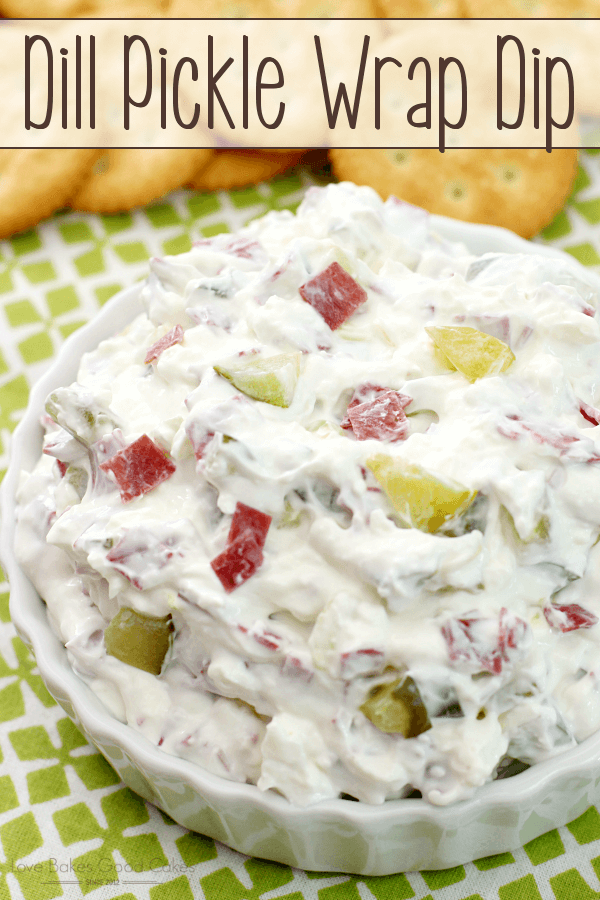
<point>68,828</point>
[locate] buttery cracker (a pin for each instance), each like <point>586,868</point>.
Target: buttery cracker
<point>229,169</point>
<point>518,189</point>
<point>94,9</point>
<point>422,9</point>
<point>532,9</point>
<point>35,182</point>
<point>132,176</point>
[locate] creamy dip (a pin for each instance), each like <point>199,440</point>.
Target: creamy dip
<point>372,561</point>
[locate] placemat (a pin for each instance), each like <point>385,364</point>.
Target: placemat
<point>68,827</point>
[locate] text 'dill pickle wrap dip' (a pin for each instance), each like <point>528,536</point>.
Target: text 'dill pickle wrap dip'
<point>325,519</point>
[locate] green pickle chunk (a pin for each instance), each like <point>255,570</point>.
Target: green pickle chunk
<point>77,411</point>
<point>540,533</point>
<point>271,379</point>
<point>78,479</point>
<point>139,640</point>
<point>474,353</point>
<point>421,499</point>
<point>397,708</point>
<point>291,516</point>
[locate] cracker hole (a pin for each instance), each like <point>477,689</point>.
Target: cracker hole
<point>529,7</point>
<point>101,165</point>
<point>509,174</point>
<point>400,157</point>
<point>456,190</point>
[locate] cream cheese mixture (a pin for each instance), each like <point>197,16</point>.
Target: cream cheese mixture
<point>325,519</point>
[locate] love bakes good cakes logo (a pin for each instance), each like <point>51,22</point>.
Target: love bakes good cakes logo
<point>342,83</point>
<point>102,871</point>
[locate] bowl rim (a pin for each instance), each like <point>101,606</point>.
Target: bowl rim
<point>28,613</point>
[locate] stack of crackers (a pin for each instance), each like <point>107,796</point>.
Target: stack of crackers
<point>516,188</point>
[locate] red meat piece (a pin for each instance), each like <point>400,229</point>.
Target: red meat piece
<point>575,616</point>
<point>245,249</point>
<point>383,418</point>
<point>484,644</point>
<point>334,294</point>
<point>293,667</point>
<point>548,433</point>
<point>589,412</point>
<point>199,438</point>
<point>245,518</point>
<point>238,562</point>
<point>267,639</point>
<point>243,553</point>
<point>139,467</point>
<point>368,393</point>
<point>139,555</point>
<point>364,661</point>
<point>174,336</point>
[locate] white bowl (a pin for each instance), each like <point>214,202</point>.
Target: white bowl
<point>333,835</point>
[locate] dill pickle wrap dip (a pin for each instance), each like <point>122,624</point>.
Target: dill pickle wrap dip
<point>325,519</point>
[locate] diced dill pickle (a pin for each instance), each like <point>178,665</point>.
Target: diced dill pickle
<point>291,516</point>
<point>77,411</point>
<point>78,479</point>
<point>441,358</point>
<point>473,519</point>
<point>474,353</point>
<point>271,379</point>
<point>539,534</point>
<point>508,766</point>
<point>397,708</point>
<point>139,640</point>
<point>421,499</point>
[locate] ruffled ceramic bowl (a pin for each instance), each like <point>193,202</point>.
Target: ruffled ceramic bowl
<point>334,835</point>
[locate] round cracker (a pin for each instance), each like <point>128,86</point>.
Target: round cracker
<point>573,40</point>
<point>229,169</point>
<point>273,9</point>
<point>128,177</point>
<point>130,9</point>
<point>517,189</point>
<point>41,9</point>
<point>219,9</point>
<point>35,182</point>
<point>422,9</point>
<point>532,9</point>
<point>96,9</point>
<point>324,9</point>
